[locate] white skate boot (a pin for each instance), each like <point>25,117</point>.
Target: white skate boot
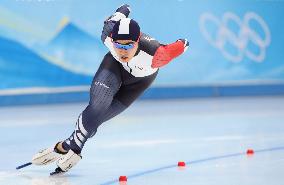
<point>66,162</point>
<point>47,156</point>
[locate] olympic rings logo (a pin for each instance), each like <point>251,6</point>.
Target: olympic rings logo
<point>240,40</point>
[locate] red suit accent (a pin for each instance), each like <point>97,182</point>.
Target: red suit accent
<point>165,54</point>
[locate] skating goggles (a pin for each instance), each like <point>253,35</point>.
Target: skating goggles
<point>124,46</point>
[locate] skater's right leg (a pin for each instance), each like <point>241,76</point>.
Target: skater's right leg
<point>124,97</point>
<point>102,93</point>
<point>105,85</point>
<point>129,90</point>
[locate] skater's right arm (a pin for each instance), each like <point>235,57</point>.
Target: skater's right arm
<point>122,12</point>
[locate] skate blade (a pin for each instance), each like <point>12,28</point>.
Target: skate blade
<point>57,171</point>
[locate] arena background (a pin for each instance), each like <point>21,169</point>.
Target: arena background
<point>50,49</point>
<point>218,109</point>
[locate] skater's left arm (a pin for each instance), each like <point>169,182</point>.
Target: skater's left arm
<point>166,53</point>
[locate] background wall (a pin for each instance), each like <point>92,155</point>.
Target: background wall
<point>53,46</point>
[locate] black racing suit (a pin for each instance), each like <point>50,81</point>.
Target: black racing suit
<point>117,84</point>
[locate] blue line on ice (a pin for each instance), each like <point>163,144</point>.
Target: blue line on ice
<point>192,162</point>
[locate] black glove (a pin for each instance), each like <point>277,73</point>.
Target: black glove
<point>125,9</point>
<point>186,43</point>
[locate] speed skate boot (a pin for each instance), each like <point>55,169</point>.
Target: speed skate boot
<point>48,155</point>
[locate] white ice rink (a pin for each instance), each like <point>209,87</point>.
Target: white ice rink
<point>146,142</point>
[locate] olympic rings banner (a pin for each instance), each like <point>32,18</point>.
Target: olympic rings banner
<point>56,43</point>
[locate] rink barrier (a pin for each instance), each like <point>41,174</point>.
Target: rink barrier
<point>81,93</point>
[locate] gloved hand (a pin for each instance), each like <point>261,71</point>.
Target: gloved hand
<point>125,9</point>
<point>185,42</point>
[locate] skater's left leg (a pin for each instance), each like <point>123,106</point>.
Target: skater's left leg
<point>104,87</point>
<point>124,97</point>
<point>129,91</point>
